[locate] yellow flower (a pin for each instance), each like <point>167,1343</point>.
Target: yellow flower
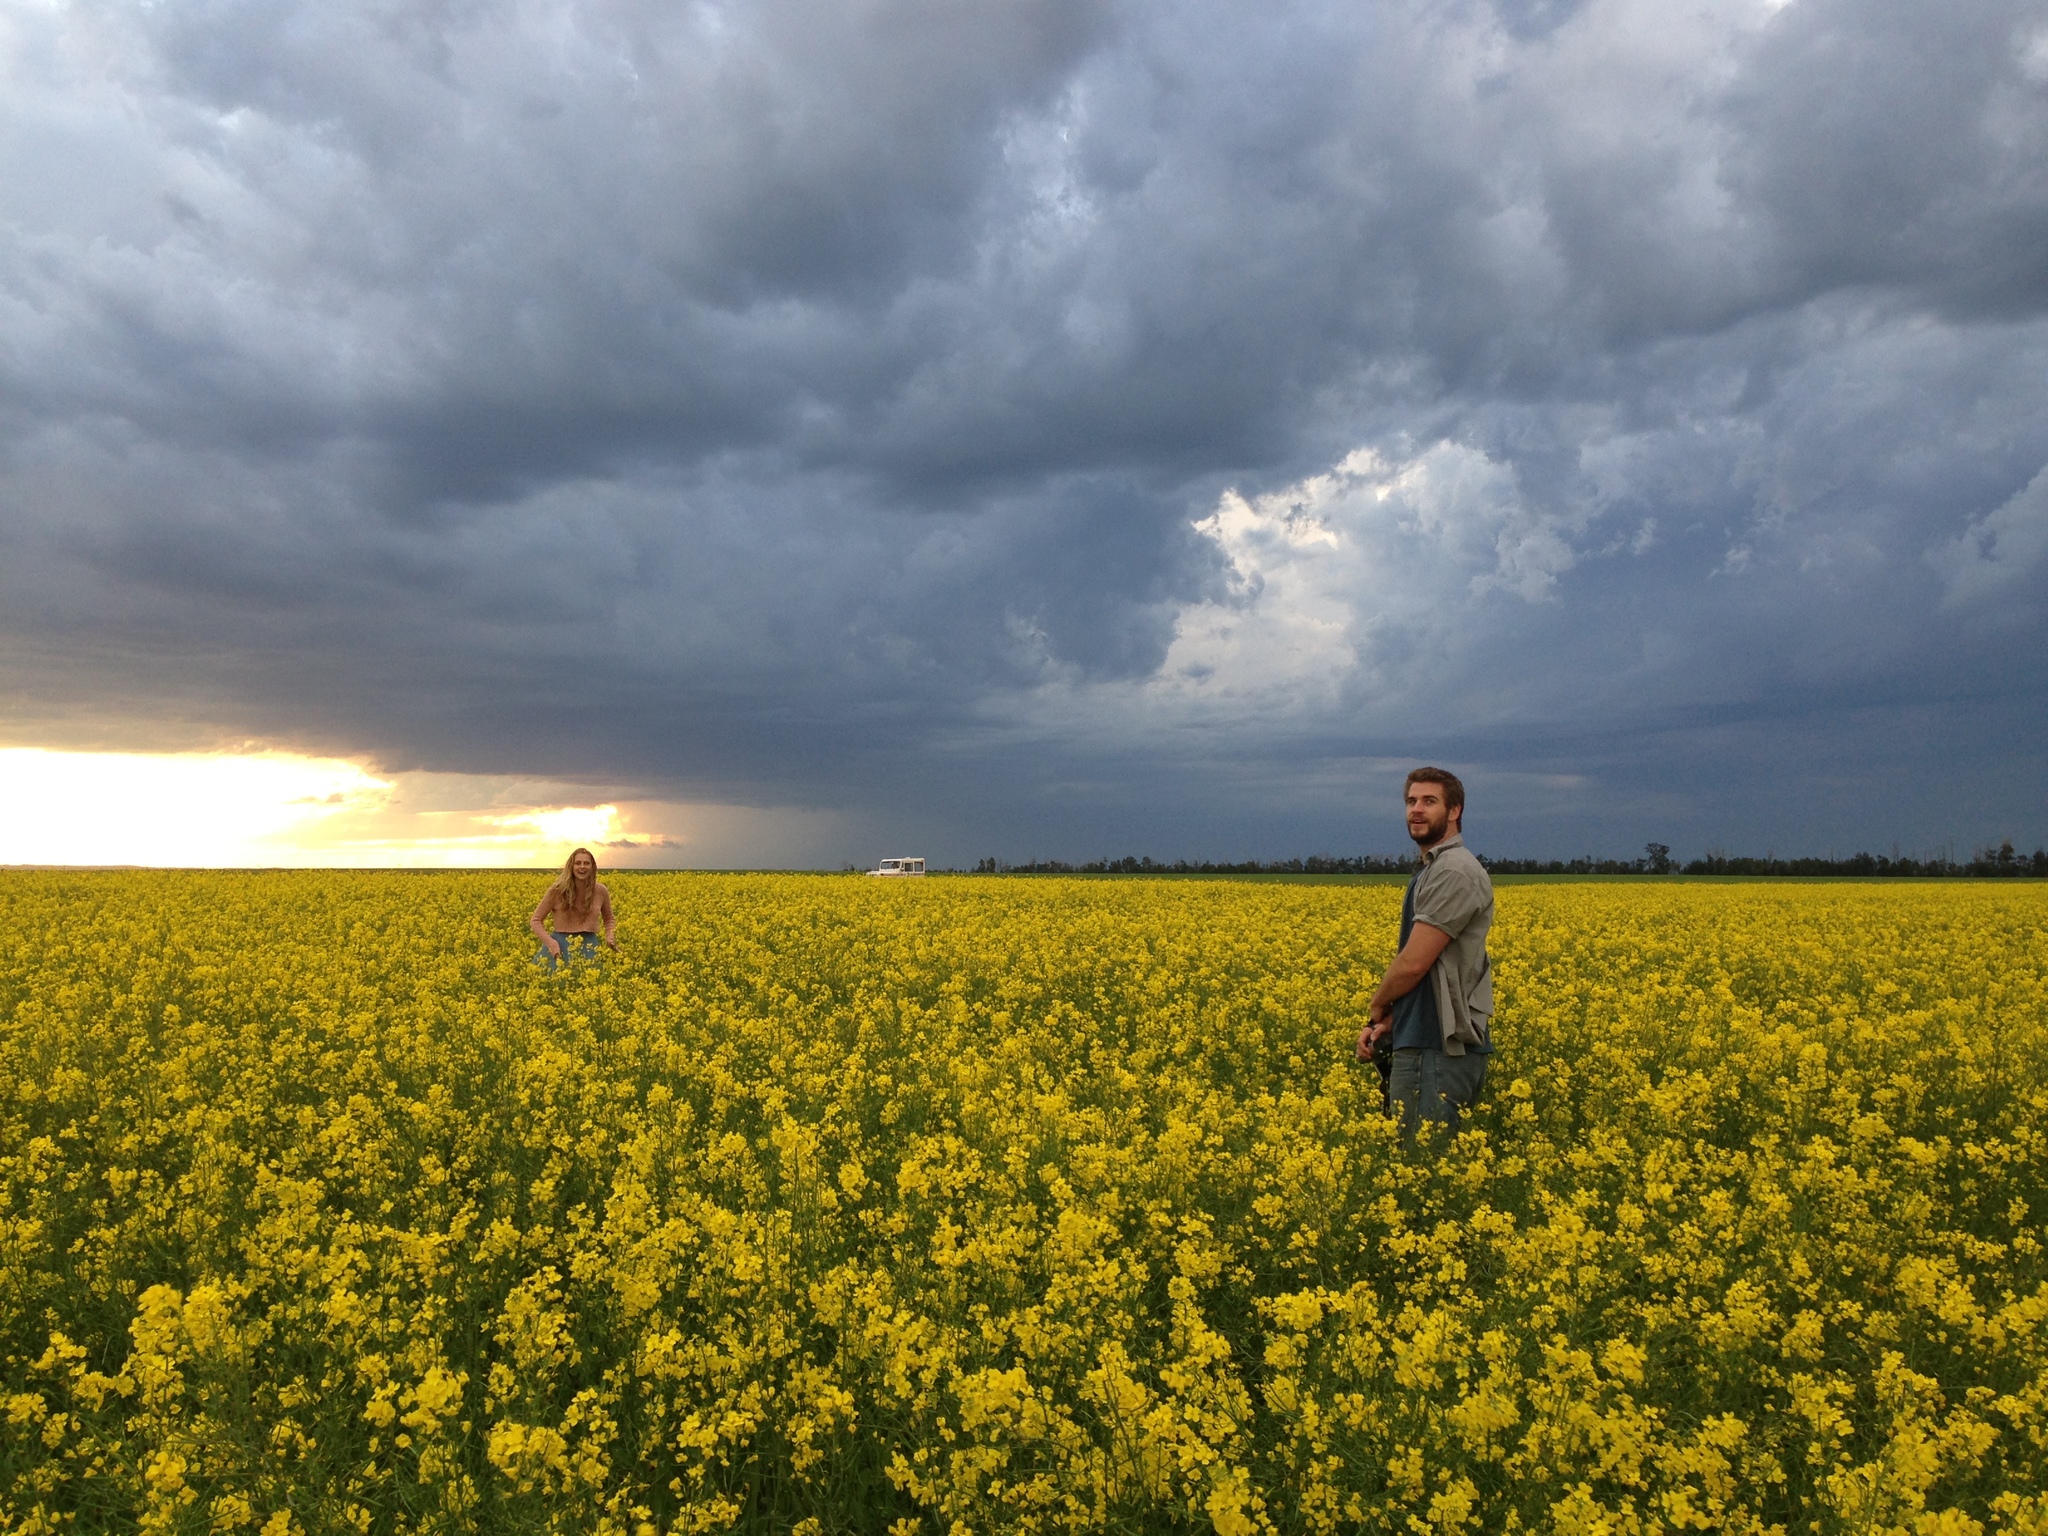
<point>1018,1205</point>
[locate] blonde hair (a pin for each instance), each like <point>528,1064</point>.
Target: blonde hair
<point>565,882</point>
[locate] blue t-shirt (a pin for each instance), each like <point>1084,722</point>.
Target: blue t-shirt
<point>1415,1017</point>
<point>1416,1025</point>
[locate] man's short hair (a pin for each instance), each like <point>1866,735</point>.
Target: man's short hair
<point>1454,792</point>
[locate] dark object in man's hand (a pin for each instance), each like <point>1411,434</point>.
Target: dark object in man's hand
<point>1383,1063</point>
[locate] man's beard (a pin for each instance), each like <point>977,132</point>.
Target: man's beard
<point>1433,833</point>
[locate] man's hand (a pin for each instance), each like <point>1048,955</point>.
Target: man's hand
<point>1381,1016</point>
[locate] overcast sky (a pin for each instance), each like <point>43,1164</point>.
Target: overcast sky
<point>1048,428</point>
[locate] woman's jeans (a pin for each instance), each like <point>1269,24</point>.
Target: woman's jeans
<point>1429,1085</point>
<point>575,946</point>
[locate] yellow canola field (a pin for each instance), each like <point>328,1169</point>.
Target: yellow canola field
<point>977,1205</point>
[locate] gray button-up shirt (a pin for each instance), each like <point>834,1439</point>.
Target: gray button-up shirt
<point>1453,893</point>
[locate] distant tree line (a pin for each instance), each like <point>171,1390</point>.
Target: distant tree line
<point>1317,864</point>
<point>1989,863</point>
<point>2002,862</point>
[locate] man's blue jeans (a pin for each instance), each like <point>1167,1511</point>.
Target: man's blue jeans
<point>1429,1085</point>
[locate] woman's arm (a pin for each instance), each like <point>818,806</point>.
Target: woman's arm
<point>611,926</point>
<point>547,905</point>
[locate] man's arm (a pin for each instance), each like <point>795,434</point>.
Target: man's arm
<point>1425,943</point>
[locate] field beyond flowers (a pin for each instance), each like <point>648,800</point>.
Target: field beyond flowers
<point>978,1205</point>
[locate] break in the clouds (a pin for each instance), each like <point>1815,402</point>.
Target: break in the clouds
<point>1047,427</point>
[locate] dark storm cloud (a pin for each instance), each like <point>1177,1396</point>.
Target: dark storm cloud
<point>815,403</point>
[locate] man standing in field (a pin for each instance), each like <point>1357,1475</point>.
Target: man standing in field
<point>1436,1000</point>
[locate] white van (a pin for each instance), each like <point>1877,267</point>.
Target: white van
<point>899,867</point>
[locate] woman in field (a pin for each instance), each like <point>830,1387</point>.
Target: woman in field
<point>578,903</point>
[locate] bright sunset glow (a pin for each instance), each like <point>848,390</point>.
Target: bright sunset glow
<point>273,808</point>
<point>281,809</point>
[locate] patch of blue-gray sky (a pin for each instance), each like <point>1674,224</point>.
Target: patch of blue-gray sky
<point>1054,427</point>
